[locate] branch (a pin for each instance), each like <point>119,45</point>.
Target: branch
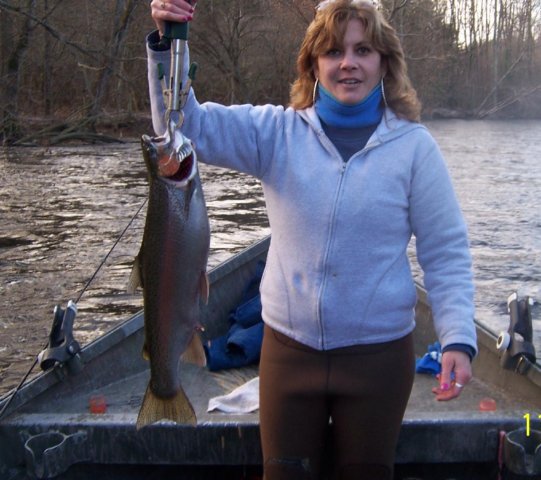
<point>47,27</point>
<point>66,130</point>
<point>397,9</point>
<point>498,83</point>
<point>508,101</point>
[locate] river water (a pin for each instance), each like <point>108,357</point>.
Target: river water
<point>63,208</point>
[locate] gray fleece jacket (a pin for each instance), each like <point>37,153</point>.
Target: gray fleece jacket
<point>337,272</point>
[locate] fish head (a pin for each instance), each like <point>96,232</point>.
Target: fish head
<point>170,159</point>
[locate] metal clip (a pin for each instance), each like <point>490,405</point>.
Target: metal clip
<point>523,365</point>
<point>186,88</point>
<point>166,92</point>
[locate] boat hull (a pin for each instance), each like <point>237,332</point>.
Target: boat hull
<point>52,411</point>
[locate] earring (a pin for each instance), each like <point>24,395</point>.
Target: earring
<point>383,94</point>
<point>314,92</point>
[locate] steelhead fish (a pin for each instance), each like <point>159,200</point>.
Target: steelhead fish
<point>171,268</point>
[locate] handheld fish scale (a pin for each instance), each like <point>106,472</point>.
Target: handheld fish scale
<point>171,266</point>
<point>177,93</point>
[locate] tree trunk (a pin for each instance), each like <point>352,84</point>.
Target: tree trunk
<point>123,16</point>
<point>9,118</point>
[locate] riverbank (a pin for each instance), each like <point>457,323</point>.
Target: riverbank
<point>122,126</point>
<point>52,131</point>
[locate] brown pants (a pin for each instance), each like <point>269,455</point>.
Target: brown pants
<point>364,389</point>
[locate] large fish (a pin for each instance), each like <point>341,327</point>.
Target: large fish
<point>171,267</point>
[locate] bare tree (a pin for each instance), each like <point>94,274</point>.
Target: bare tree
<point>122,17</point>
<point>11,78</point>
<point>85,62</point>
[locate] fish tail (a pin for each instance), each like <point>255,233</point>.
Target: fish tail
<point>177,409</point>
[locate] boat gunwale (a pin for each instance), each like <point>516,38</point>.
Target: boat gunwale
<point>45,380</point>
<point>133,325</point>
<point>487,339</point>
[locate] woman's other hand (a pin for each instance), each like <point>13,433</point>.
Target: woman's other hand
<point>453,362</point>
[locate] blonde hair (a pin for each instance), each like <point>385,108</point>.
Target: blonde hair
<point>328,29</point>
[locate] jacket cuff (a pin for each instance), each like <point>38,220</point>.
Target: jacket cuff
<point>157,43</point>
<point>460,347</point>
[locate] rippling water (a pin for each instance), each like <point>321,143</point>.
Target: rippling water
<point>62,209</point>
<point>496,170</point>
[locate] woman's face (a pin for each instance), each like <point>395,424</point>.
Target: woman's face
<point>350,71</point>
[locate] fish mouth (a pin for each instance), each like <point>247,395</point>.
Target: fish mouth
<point>186,170</point>
<point>173,161</point>
<point>176,160</point>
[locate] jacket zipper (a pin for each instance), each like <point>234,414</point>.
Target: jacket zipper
<point>332,149</point>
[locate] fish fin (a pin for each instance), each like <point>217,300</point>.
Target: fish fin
<point>146,352</point>
<point>204,287</point>
<point>195,353</point>
<point>176,409</point>
<point>136,276</point>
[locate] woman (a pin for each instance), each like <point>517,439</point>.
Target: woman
<point>349,175</point>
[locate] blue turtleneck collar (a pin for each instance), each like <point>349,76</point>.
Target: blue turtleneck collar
<point>337,114</point>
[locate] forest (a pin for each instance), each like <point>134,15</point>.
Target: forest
<point>76,69</point>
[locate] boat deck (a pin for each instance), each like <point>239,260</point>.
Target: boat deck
<point>124,398</point>
<point>432,431</point>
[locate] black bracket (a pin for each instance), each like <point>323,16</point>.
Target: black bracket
<point>62,348</point>
<point>516,345</point>
<point>51,453</point>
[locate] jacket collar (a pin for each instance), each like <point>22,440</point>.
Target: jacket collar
<point>389,128</point>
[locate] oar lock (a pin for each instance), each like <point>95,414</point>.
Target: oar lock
<point>62,348</point>
<point>516,344</point>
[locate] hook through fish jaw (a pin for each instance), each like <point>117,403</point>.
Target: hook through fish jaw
<point>175,148</point>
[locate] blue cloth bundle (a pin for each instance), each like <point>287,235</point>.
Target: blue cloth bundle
<point>430,362</point>
<point>241,345</point>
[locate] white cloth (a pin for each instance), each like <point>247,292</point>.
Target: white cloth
<point>243,399</point>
